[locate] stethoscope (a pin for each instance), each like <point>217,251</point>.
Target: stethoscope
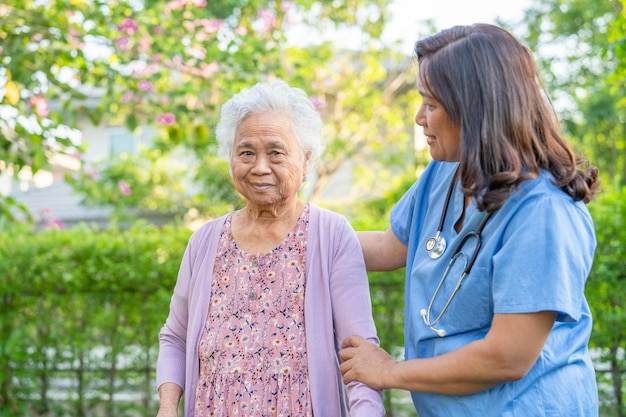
<point>435,247</point>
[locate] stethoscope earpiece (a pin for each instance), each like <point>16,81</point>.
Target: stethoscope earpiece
<point>424,314</point>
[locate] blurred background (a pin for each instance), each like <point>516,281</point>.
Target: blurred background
<point>108,163</point>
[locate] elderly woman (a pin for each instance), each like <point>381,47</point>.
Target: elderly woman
<point>266,294</point>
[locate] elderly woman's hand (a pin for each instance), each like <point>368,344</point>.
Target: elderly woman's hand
<point>365,362</point>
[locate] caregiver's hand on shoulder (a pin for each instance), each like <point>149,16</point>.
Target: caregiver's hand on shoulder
<point>365,362</point>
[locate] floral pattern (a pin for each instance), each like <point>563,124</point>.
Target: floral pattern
<point>253,359</point>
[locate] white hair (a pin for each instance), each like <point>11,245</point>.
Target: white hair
<point>272,96</point>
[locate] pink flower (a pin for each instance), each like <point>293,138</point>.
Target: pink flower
<point>318,102</point>
<point>288,6</point>
<point>207,70</point>
<point>240,30</point>
<point>128,26</point>
<point>123,187</point>
<point>145,85</point>
<point>53,223</point>
<point>177,61</point>
<point>214,25</point>
<point>268,19</point>
<point>49,221</point>
<point>40,104</point>
<point>122,43</point>
<point>92,173</point>
<point>128,96</point>
<point>73,38</point>
<point>176,4</point>
<point>150,69</point>
<point>144,43</point>
<point>163,100</point>
<point>166,119</point>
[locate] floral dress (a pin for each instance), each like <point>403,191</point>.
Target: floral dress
<point>253,359</point>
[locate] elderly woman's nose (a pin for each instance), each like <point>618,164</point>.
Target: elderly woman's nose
<point>261,164</point>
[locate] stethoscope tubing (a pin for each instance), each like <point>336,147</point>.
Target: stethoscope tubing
<point>479,240</point>
<point>466,270</point>
<point>477,233</point>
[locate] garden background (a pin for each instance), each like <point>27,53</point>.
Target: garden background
<point>81,306</point>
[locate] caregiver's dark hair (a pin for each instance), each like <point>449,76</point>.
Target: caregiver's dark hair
<point>488,83</point>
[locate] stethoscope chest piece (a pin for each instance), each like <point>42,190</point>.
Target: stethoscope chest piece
<point>435,246</point>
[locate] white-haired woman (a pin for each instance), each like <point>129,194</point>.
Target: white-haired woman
<point>266,294</point>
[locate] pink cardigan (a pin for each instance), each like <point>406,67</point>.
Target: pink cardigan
<point>337,304</point>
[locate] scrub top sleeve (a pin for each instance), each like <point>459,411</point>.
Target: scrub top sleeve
<point>545,258</point>
<point>401,216</point>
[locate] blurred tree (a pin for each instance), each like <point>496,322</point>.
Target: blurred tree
<point>581,46</point>
<point>606,291</point>
<point>172,64</point>
<point>37,45</point>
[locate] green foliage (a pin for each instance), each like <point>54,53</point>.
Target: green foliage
<point>606,292</point>
<point>81,311</point>
<point>387,288</point>
<point>83,308</point>
<point>157,184</point>
<point>617,48</point>
<point>33,52</point>
<point>170,65</point>
<point>580,48</point>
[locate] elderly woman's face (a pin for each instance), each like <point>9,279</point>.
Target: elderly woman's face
<point>267,162</point>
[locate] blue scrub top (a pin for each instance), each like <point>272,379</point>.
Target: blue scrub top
<point>536,254</point>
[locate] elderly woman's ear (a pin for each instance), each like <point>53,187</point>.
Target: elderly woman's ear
<point>307,164</point>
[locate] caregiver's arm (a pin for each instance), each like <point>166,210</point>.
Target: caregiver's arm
<point>508,351</point>
<point>382,250</point>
